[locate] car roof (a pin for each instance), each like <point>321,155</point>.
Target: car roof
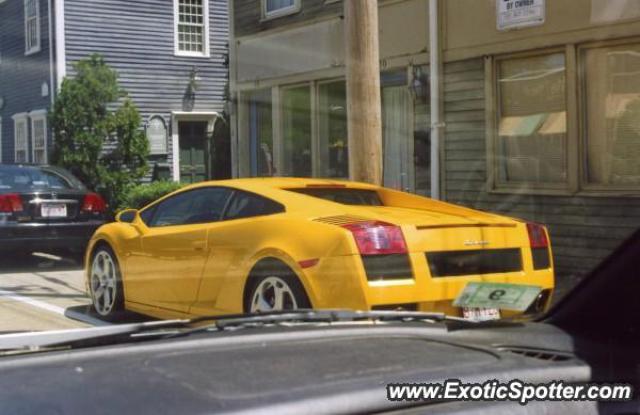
<point>257,183</point>
<point>275,188</point>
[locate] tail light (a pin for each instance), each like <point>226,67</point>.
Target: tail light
<point>537,236</point>
<point>94,203</point>
<point>10,203</point>
<point>377,238</point>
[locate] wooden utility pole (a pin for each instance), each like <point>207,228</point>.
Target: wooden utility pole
<point>363,90</point>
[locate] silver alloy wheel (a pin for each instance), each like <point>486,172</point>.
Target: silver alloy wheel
<point>273,294</point>
<point>103,282</point>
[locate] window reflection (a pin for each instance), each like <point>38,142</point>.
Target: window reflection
<point>333,137</point>
<point>613,110</point>
<point>532,127</point>
<point>296,146</point>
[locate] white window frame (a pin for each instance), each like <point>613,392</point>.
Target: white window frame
<point>36,46</point>
<point>205,41</point>
<point>35,116</point>
<point>18,119</point>
<point>285,11</point>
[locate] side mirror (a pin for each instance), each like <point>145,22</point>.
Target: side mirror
<point>127,216</point>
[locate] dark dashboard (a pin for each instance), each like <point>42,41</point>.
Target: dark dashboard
<point>341,368</point>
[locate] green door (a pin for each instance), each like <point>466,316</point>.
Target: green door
<point>193,154</point>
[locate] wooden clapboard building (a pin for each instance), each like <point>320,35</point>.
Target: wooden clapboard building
<point>542,113</point>
<point>170,55</point>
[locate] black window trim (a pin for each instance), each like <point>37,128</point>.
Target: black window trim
<point>233,196</point>
<point>157,203</point>
<point>223,216</point>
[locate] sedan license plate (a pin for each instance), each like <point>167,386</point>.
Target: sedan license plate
<point>480,314</point>
<point>54,210</point>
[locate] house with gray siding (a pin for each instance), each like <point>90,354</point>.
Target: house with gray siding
<point>170,56</point>
<point>538,121</point>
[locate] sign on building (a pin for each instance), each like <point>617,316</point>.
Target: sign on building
<point>516,14</point>
<point>157,135</point>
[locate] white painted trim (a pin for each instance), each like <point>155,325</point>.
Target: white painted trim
<point>52,88</point>
<point>285,11</point>
<point>176,117</point>
<point>38,115</point>
<point>33,49</point>
<point>206,35</point>
<point>234,96</point>
<point>18,118</point>
<point>61,53</point>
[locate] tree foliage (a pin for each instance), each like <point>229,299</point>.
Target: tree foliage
<point>141,195</point>
<point>97,131</point>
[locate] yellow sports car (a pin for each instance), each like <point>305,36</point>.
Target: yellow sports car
<point>262,244</point>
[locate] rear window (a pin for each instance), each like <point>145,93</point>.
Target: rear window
<point>360,197</point>
<point>23,179</point>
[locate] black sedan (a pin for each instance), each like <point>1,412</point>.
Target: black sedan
<point>45,208</point>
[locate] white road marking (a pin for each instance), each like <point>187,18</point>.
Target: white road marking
<point>47,256</point>
<point>53,309</point>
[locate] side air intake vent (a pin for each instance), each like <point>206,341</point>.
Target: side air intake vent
<point>341,220</point>
<point>540,354</point>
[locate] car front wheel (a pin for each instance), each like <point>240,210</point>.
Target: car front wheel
<point>106,284</point>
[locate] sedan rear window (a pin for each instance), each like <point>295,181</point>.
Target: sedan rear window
<point>23,179</point>
<point>360,197</point>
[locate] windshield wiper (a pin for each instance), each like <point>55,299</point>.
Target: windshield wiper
<point>319,316</point>
<point>98,336</point>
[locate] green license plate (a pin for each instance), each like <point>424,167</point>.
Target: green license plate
<point>514,297</point>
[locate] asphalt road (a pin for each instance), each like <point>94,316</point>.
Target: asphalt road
<point>45,292</point>
<point>40,293</point>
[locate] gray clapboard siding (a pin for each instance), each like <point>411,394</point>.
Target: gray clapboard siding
<point>584,230</point>
<point>137,40</point>
<point>248,15</point>
<point>21,77</point>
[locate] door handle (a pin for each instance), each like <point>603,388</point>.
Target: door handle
<point>199,245</point>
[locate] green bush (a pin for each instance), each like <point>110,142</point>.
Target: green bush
<point>141,195</point>
<point>97,131</point>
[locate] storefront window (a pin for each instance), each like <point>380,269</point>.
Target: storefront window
<point>333,137</point>
<point>261,133</point>
<point>422,161</point>
<point>612,86</point>
<point>296,131</point>
<point>532,125</point>
<point>397,137</point>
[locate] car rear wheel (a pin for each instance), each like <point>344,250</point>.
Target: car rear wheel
<point>107,295</point>
<point>276,292</point>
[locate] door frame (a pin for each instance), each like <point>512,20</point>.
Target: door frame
<point>211,117</point>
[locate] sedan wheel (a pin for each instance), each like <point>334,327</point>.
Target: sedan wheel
<point>274,294</point>
<point>106,293</point>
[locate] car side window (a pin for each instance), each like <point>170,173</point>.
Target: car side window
<point>247,205</point>
<point>147,214</point>
<point>196,206</point>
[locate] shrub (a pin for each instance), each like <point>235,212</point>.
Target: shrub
<point>97,131</point>
<point>141,195</point>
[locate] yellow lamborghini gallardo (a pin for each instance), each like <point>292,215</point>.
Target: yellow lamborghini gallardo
<point>250,245</point>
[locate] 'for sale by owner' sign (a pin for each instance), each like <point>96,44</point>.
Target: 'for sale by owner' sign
<point>515,14</point>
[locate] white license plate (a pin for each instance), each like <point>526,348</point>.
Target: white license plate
<point>480,314</point>
<point>54,210</point>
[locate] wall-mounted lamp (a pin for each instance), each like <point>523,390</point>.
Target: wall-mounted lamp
<point>419,85</point>
<point>189,98</point>
<point>194,77</point>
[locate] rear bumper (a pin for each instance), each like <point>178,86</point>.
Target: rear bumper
<point>341,282</point>
<point>38,236</point>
